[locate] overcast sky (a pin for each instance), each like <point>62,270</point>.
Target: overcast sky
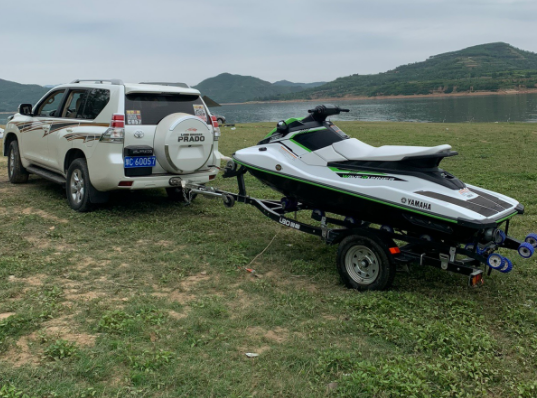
<point>50,42</point>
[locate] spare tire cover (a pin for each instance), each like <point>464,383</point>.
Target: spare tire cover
<point>183,143</point>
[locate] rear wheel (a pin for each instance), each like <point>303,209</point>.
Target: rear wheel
<point>364,263</point>
<point>78,186</point>
<point>16,172</point>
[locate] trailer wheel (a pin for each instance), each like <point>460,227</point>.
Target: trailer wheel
<point>364,263</point>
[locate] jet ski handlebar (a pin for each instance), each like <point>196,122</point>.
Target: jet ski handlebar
<point>321,112</point>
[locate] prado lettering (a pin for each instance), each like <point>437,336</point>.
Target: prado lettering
<point>195,138</point>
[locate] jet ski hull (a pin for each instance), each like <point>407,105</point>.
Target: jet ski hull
<point>333,199</point>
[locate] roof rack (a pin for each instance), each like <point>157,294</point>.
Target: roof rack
<point>184,85</point>
<point>117,82</point>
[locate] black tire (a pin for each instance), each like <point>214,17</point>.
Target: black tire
<point>78,186</point>
<point>220,121</point>
<point>364,263</point>
<point>16,173</point>
<point>176,194</point>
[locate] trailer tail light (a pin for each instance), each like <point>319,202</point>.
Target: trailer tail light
<point>216,128</point>
<point>476,278</point>
<point>116,133</point>
<point>395,250</point>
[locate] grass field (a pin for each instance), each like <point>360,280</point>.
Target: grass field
<point>149,298</point>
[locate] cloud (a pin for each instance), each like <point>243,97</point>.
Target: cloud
<point>298,40</point>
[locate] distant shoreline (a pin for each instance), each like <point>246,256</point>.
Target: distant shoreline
<point>383,97</point>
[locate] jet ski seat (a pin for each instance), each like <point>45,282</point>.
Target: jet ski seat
<point>353,149</point>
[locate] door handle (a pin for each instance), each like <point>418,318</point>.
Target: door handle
<point>46,128</point>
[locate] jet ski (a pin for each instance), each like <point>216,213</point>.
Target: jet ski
<point>313,162</point>
<point>385,207</point>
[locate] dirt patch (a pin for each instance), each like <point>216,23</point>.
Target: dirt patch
<point>6,315</point>
<point>21,354</point>
<point>44,215</point>
<point>277,335</point>
<point>192,281</point>
<point>32,281</point>
<point>74,295</point>
<point>40,243</point>
<point>182,294</point>
<point>62,328</point>
<point>89,262</point>
<point>177,315</point>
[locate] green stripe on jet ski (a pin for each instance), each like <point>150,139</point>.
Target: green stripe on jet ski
<point>355,172</point>
<point>347,192</point>
<point>288,121</point>
<point>505,218</point>
<point>304,132</point>
<point>300,145</point>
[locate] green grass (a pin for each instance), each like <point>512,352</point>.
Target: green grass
<point>149,298</point>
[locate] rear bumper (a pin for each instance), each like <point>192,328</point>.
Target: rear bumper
<point>107,172</point>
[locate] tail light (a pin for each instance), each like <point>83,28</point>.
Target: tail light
<point>216,128</point>
<point>116,133</point>
<point>118,121</point>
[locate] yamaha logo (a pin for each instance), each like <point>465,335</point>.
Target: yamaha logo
<point>416,203</point>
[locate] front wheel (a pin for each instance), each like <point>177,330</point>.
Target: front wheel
<point>364,263</point>
<point>16,172</point>
<point>78,186</point>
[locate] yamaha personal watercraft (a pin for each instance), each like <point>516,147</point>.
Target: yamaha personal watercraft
<point>387,193</point>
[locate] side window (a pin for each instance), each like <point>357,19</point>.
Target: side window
<point>95,103</point>
<point>75,104</point>
<point>49,107</point>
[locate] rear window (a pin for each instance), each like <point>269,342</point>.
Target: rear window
<point>147,108</point>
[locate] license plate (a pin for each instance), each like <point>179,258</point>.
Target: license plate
<point>140,161</point>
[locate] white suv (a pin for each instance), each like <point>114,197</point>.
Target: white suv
<point>95,136</point>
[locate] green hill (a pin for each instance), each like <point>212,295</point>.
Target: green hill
<point>226,88</point>
<point>13,94</point>
<point>487,67</point>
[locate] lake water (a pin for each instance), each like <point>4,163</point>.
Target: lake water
<point>491,108</point>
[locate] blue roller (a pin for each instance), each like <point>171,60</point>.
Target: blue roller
<point>507,267</point>
<point>495,261</point>
<point>288,204</point>
<point>531,239</point>
<point>525,250</point>
<point>500,237</point>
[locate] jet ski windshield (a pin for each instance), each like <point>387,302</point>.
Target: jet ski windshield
<point>312,132</point>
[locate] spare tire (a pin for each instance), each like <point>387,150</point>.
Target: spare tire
<point>183,143</point>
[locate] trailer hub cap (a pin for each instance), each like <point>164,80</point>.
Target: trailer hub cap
<point>362,264</point>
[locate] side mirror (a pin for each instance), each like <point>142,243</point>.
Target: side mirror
<point>25,109</point>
